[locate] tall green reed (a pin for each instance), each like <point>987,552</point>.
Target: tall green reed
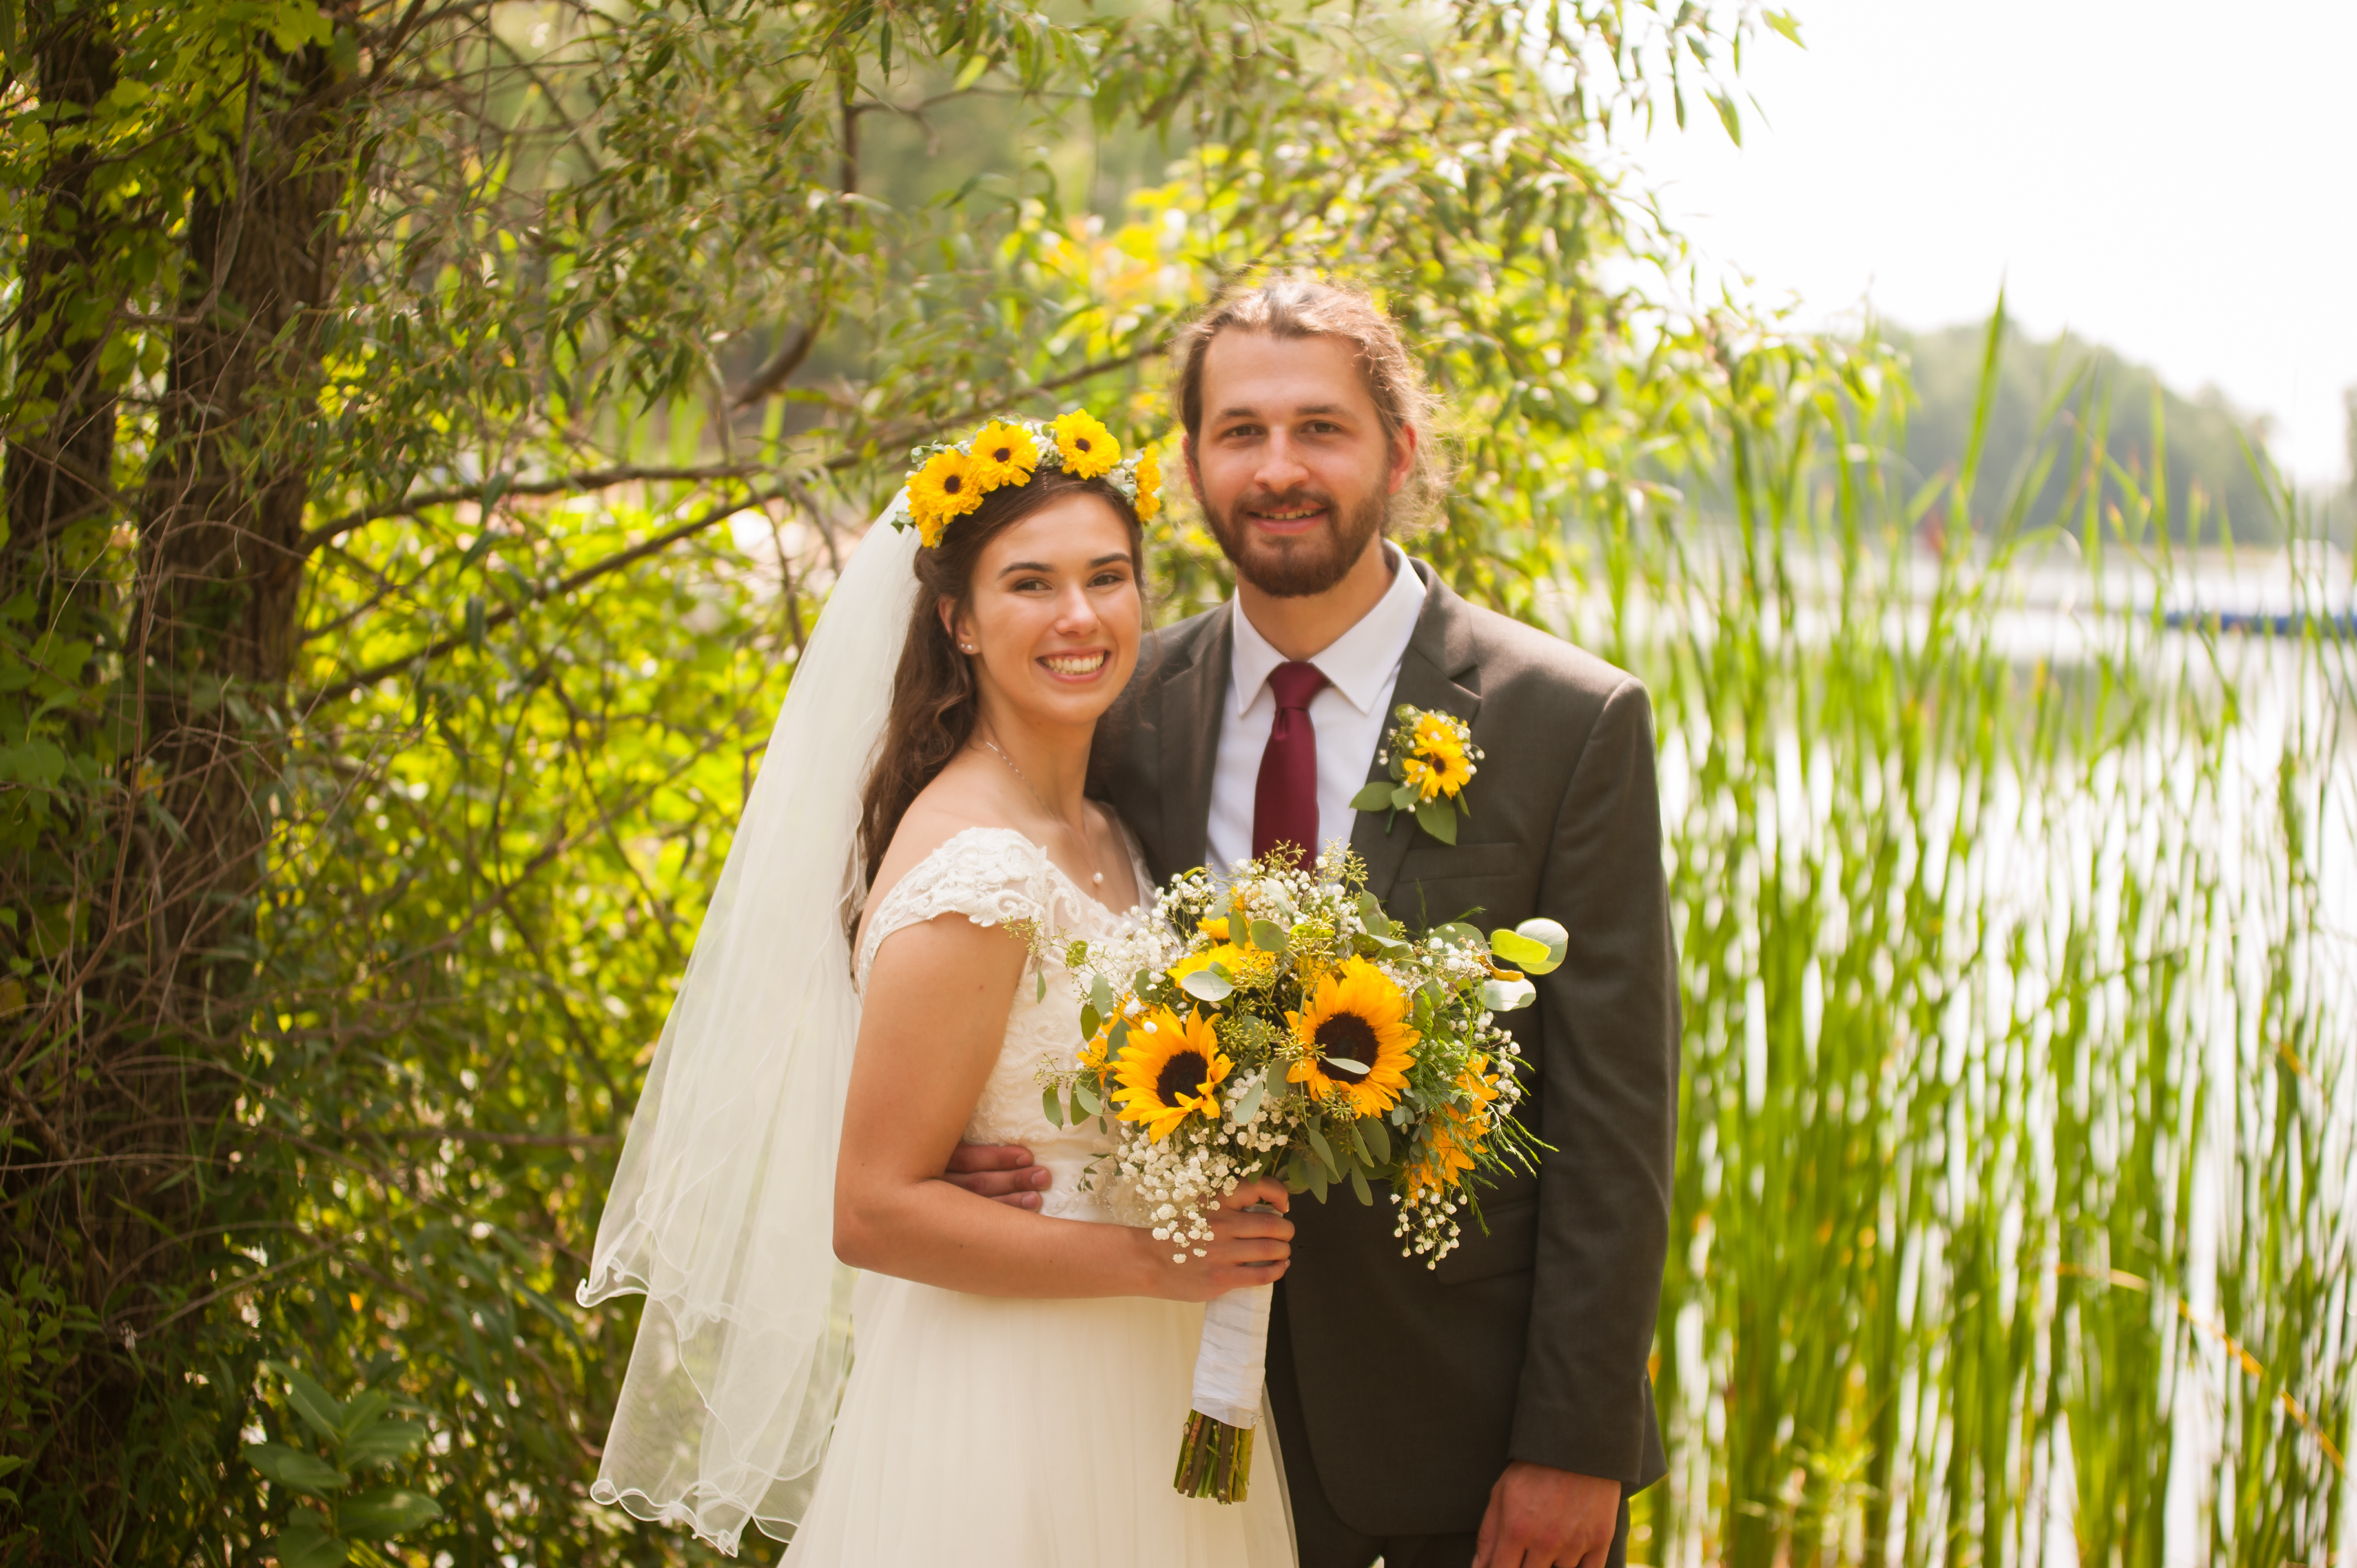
<point>2014,1198</point>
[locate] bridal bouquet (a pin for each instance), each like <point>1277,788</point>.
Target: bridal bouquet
<point>1278,1024</point>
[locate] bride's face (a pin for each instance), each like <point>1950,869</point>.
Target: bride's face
<point>1055,615</point>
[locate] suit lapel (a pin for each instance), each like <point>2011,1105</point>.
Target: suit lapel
<point>1438,660</point>
<point>1193,699</point>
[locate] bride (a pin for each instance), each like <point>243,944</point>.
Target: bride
<point>877,978</point>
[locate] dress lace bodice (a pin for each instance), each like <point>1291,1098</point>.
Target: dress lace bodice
<point>991,877</point>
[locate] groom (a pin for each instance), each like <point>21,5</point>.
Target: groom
<point>1496,1410</point>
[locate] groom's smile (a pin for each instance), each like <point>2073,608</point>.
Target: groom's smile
<point>1291,462</point>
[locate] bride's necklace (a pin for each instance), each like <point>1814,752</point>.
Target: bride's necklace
<point>1088,840</point>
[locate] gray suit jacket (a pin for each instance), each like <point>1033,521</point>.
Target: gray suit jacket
<point>1530,1342</point>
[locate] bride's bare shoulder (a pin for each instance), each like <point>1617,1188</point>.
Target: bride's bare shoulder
<point>959,799</point>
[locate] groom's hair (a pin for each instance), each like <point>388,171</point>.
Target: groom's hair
<point>1304,304</point>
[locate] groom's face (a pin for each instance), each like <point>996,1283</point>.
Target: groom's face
<point>1292,465</point>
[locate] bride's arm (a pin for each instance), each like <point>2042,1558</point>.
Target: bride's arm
<point>934,1019</point>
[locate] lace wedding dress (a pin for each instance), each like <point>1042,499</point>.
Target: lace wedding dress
<point>984,1431</point>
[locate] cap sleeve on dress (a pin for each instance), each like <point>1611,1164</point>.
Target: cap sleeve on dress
<point>991,875</point>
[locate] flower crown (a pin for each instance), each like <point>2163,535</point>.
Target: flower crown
<point>949,479</point>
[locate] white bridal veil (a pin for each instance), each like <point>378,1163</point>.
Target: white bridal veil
<point>721,1209</point>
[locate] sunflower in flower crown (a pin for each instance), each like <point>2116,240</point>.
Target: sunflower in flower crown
<point>1355,1027</point>
<point>1170,1069</point>
<point>949,479</point>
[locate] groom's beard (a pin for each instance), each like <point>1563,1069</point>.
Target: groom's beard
<point>1302,565</point>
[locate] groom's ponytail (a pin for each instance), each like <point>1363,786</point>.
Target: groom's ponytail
<point>933,700</point>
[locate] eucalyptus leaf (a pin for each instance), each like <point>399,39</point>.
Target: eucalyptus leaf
<point>1208,984</point>
<point>1370,913</point>
<point>1086,1098</point>
<point>1549,935</point>
<point>1506,995</point>
<point>1100,998</point>
<point>1377,1139</point>
<point>1358,1187</point>
<point>1269,937</point>
<point>1249,1105</point>
<point>1051,1105</point>
<point>1117,1037</point>
<point>1510,947</point>
<point>1091,1022</point>
<point>1345,1063</point>
<point>1317,1146</point>
<point>1317,1181</point>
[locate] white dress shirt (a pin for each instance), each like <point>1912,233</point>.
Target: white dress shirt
<point>1351,714</point>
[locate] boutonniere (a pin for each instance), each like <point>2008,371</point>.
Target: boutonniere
<point>1431,755</point>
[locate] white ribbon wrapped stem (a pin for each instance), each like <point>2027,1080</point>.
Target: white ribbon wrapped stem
<point>1234,1359</point>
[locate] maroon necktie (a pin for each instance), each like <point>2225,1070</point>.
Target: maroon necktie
<point>1285,802</point>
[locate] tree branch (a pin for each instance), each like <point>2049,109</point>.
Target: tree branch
<point>506,484</point>
<point>652,545</point>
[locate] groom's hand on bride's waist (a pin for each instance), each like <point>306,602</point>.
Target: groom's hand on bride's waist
<point>1000,1171</point>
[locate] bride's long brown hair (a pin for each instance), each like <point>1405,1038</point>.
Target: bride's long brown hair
<point>933,696</point>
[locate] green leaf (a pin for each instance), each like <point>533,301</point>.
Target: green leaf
<point>1437,818</point>
<point>1346,1064</point>
<point>385,1513</point>
<point>306,1543</point>
<point>1245,1108</point>
<point>1269,937</point>
<point>1549,935</point>
<point>1370,913</point>
<point>1785,23</point>
<point>383,1442</point>
<point>1100,998</point>
<point>1211,985</point>
<point>296,1470</point>
<point>311,1401</point>
<point>1378,1140</point>
<point>1728,117</point>
<point>971,72</point>
<point>1505,996</point>
<point>1358,1187</point>
<point>1296,1173</point>
<point>1406,798</point>
<point>1463,934</point>
<point>1086,1098</point>
<point>1325,1156</point>
<point>1117,1037</point>
<point>1089,1021</point>
<point>1051,1105</point>
<point>1318,1180</point>
<point>1375,797</point>
<point>1512,947</point>
<point>1041,994</point>
<point>363,1410</point>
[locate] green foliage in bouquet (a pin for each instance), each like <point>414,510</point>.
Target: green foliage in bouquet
<point>1293,1030</point>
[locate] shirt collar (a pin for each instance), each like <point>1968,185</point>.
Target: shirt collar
<point>1358,663</point>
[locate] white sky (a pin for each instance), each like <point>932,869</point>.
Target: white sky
<point>2175,179</point>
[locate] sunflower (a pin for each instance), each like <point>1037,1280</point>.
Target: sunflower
<point>1088,448</point>
<point>1168,1070</point>
<point>1149,485</point>
<point>942,492</point>
<point>1357,1014</point>
<point>1003,455</point>
<point>1245,966</point>
<point>1437,773</point>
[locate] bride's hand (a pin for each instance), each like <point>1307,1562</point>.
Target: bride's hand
<point>1248,1246</point>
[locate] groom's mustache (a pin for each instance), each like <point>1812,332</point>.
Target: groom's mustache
<point>1292,500</point>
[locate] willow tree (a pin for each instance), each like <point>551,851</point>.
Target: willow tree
<point>381,679</point>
